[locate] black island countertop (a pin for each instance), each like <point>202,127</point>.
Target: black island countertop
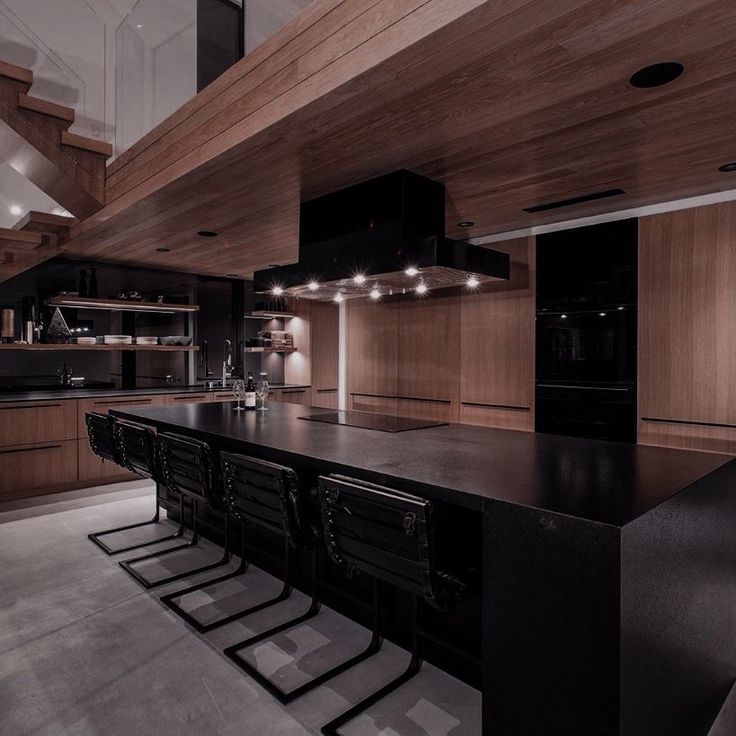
<point>606,482</point>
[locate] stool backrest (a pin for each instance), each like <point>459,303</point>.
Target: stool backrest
<point>138,448</point>
<point>101,436</point>
<point>187,468</point>
<point>266,494</point>
<point>383,532</point>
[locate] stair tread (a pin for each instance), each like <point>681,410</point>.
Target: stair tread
<point>44,222</point>
<point>19,73</point>
<point>22,239</point>
<point>45,107</point>
<point>87,144</point>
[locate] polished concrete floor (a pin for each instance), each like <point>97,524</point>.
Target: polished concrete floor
<point>85,650</point>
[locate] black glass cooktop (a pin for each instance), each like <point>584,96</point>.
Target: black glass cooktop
<point>366,420</point>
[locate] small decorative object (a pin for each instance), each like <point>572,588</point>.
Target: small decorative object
<point>262,391</point>
<point>94,290</point>
<point>146,340</point>
<point>239,392</point>
<point>7,325</point>
<point>176,340</point>
<point>83,282</point>
<point>118,340</point>
<point>160,299</point>
<point>58,332</point>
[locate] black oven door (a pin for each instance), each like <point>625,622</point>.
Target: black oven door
<point>597,346</point>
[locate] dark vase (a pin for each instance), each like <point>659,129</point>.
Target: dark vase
<point>94,291</point>
<point>82,282</point>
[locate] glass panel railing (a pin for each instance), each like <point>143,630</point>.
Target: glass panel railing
<point>264,17</point>
<point>66,49</point>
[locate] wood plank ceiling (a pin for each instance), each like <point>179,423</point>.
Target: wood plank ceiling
<point>511,103</point>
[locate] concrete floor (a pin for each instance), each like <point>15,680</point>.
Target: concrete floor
<point>85,651</point>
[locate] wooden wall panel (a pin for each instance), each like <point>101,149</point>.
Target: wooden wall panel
<point>455,356</point>
<point>373,330</point>
<point>687,340</point>
<point>298,365</point>
<point>497,345</point>
<point>324,348</point>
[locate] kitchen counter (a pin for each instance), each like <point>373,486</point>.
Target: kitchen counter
<point>606,482</point>
<point>608,596</point>
<point>92,393</point>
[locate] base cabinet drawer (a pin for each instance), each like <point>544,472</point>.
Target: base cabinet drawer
<point>93,468</point>
<point>294,396</point>
<point>176,399</point>
<point>42,466</point>
<point>102,406</point>
<point>25,423</point>
<point>325,398</point>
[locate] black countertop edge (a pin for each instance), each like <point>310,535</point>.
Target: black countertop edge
<point>94,393</point>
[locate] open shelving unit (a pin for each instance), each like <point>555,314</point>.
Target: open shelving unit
<point>109,348</point>
<point>284,351</point>
<point>120,305</point>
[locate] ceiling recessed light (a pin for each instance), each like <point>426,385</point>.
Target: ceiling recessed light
<point>163,250</point>
<point>274,265</point>
<point>466,223</point>
<point>411,271</point>
<point>231,275</point>
<point>375,293</point>
<point>656,75</point>
<point>359,278</point>
<point>601,314</point>
<point>139,25</point>
<point>313,286</point>
<point>728,167</point>
<point>421,289</point>
<point>277,291</point>
<point>15,210</point>
<point>207,233</point>
<point>339,297</point>
<point>563,316</point>
<point>472,282</point>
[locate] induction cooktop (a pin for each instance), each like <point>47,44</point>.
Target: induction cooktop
<point>366,420</point>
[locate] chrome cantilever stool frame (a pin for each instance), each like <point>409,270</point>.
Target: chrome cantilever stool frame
<point>389,535</point>
<point>269,496</point>
<point>187,469</point>
<point>133,447</point>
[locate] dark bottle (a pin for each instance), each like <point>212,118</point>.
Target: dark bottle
<point>94,291</point>
<point>83,282</point>
<point>250,393</point>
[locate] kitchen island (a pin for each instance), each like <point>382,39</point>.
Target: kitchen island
<point>608,596</point>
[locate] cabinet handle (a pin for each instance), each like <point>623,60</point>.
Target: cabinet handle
<point>122,402</point>
<point>326,390</point>
<point>30,406</point>
<point>294,391</point>
<point>30,449</point>
<point>185,398</point>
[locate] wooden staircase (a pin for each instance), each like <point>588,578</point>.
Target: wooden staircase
<point>32,240</point>
<point>35,140</point>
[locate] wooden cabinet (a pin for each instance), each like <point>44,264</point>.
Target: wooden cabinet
<point>378,404</point>
<point>325,398</point>
<point>296,396</point>
<point>325,353</point>
<point>34,422</point>
<point>497,346</point>
<point>43,466</point>
<point>687,339</point>
<point>93,469</point>
<point>103,405</point>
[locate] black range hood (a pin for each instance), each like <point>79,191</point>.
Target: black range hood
<point>383,237</point>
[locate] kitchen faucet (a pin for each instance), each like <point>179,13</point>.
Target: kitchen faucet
<point>227,363</point>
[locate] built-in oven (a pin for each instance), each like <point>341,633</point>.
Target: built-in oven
<point>587,346</point>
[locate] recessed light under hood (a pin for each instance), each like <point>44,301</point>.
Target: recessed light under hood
<point>376,231</point>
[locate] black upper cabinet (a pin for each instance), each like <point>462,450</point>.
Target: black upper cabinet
<point>588,266</point>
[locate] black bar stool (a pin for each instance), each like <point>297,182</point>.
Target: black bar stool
<point>269,495</point>
<point>187,469</point>
<point>389,535</point>
<point>266,495</point>
<point>134,448</point>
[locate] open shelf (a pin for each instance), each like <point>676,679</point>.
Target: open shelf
<point>119,305</point>
<point>266,314</point>
<point>270,350</point>
<point>109,348</point>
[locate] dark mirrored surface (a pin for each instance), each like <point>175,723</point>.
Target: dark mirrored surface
<point>366,420</point>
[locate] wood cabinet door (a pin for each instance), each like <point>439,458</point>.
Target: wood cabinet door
<point>103,405</point>
<point>497,345</point>
<point>45,466</point>
<point>198,398</point>
<point>33,422</point>
<point>296,396</point>
<point>687,338</point>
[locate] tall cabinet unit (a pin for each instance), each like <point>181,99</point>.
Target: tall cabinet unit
<point>687,329</point>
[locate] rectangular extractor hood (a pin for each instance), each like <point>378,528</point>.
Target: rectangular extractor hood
<point>383,237</point>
